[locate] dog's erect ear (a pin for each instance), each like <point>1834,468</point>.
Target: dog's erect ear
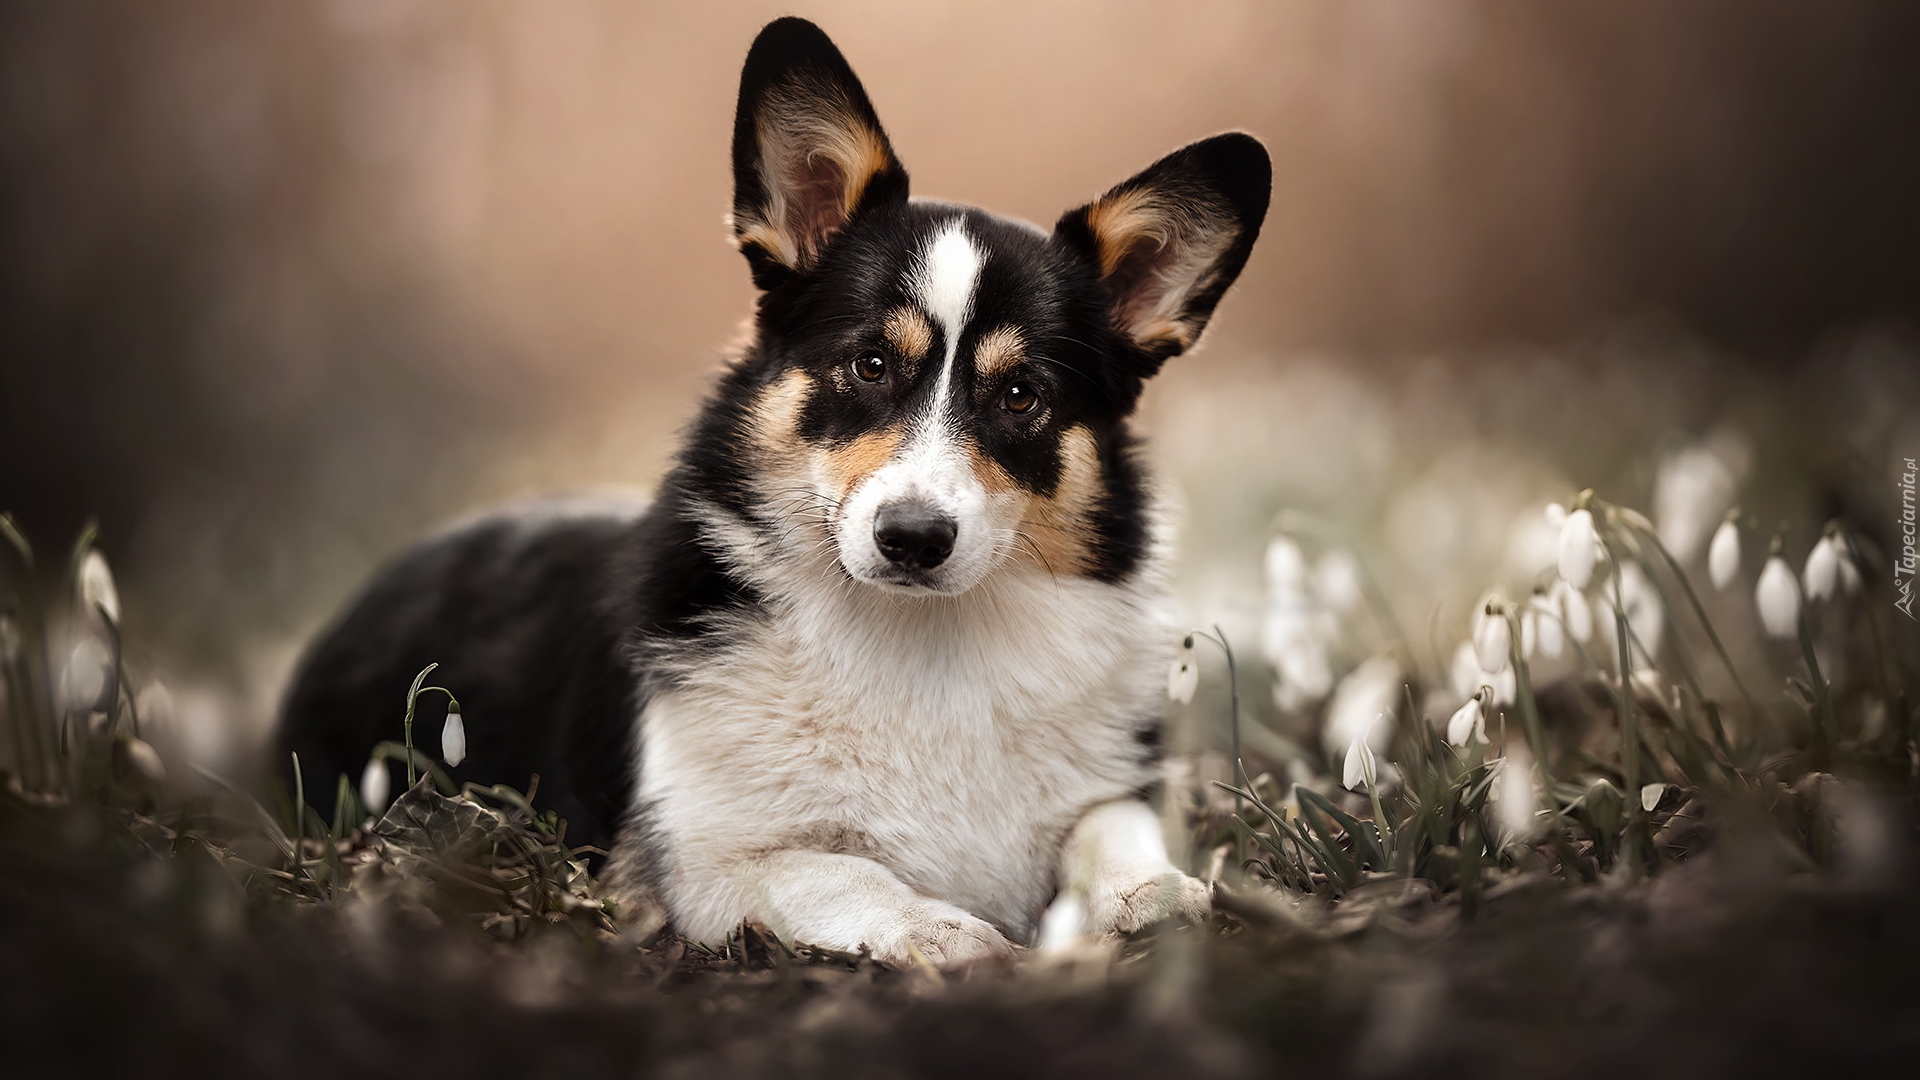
<point>1168,242</point>
<point>808,151</point>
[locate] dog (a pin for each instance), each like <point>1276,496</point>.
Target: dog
<point>881,665</point>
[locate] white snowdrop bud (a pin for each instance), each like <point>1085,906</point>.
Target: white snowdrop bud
<point>1286,566</point>
<point>1469,722</point>
<point>88,676</point>
<point>1549,635</point>
<point>1361,703</point>
<point>1650,795</point>
<point>376,785</point>
<point>1823,569</point>
<point>1359,766</point>
<point>1491,636</point>
<point>1579,548</point>
<point>1336,580</point>
<point>135,761</point>
<point>1778,598</point>
<point>1064,922</point>
<point>1516,800</point>
<point>1183,674</point>
<point>1850,582</point>
<point>453,737</point>
<point>1466,677</point>
<point>1723,554</point>
<point>97,592</point>
<point>1575,610</point>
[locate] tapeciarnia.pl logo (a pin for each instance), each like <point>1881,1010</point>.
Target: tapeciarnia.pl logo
<point>1903,566</point>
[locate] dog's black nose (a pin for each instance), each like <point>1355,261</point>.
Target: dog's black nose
<point>914,534</point>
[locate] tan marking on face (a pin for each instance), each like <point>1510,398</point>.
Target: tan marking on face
<point>998,353</point>
<point>993,479</point>
<point>776,416</point>
<point>1056,534</point>
<point>848,465</point>
<point>907,331</point>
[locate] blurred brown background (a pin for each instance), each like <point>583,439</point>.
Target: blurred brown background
<point>286,283</point>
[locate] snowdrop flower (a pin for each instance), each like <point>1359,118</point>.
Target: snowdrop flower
<point>1647,681</point>
<point>1469,722</point>
<point>1540,628</point>
<point>1778,598</point>
<point>135,761</point>
<point>376,785</point>
<point>157,710</point>
<point>1336,580</point>
<point>1533,543</point>
<point>1183,678</point>
<point>1295,633</point>
<point>1305,674</point>
<point>1575,613</point>
<point>1646,618</point>
<point>1829,569</point>
<point>1723,554</point>
<point>85,682</point>
<point>1294,640</point>
<point>1359,766</point>
<point>1850,582</point>
<point>1491,636</point>
<point>1516,799</point>
<point>1823,569</point>
<point>1556,515</point>
<point>1693,487</point>
<point>1466,677</point>
<point>453,736</point>
<point>1579,548</point>
<point>1367,694</point>
<point>1650,795</point>
<point>1063,923</point>
<point>96,587</point>
<point>1286,565</point>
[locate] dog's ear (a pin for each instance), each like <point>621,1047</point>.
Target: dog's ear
<point>1168,242</point>
<point>808,151</point>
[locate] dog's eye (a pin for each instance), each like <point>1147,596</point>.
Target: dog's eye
<point>1020,398</point>
<point>870,368</point>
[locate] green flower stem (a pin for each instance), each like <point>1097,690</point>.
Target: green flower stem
<point>1629,723</point>
<point>299,817</point>
<point>1829,729</point>
<point>1219,638</point>
<point>1537,740</point>
<point>413,695</point>
<point>1699,611</point>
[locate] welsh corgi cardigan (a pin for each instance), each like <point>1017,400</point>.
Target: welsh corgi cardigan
<point>882,664</point>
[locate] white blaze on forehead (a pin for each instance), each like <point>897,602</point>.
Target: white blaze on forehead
<point>942,282</point>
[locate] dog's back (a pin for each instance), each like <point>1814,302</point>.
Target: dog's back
<point>514,608</point>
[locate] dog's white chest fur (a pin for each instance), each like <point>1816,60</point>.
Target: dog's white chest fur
<point>953,740</point>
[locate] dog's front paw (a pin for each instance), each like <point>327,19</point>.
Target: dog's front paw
<point>944,936</point>
<point>1125,905</point>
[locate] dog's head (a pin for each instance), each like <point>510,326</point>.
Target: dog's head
<point>942,390</point>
